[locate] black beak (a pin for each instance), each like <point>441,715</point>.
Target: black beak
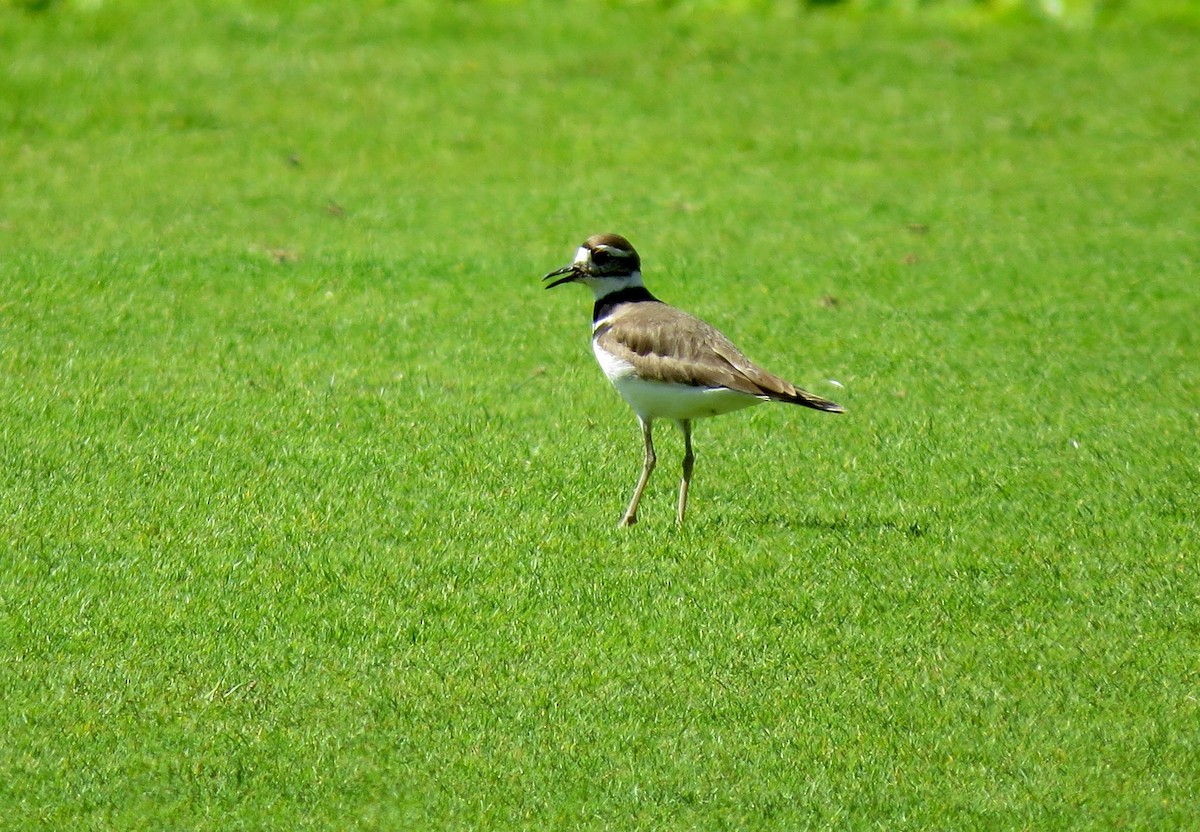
<point>570,271</point>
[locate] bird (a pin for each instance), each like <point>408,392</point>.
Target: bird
<point>665,363</point>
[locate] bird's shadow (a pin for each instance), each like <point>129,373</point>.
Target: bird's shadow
<point>845,525</point>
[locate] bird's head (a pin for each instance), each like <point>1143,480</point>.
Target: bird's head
<point>605,262</point>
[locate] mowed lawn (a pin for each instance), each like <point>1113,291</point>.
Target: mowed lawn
<point>308,491</point>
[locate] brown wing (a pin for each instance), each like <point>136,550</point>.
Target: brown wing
<point>672,346</point>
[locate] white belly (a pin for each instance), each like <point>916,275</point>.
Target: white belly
<point>656,400</point>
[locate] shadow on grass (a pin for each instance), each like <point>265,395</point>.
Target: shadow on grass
<point>846,526</point>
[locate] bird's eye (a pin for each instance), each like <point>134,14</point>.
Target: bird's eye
<point>600,257</point>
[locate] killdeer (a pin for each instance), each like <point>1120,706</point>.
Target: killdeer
<point>665,363</point>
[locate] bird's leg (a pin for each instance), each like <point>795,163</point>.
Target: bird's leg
<point>631,513</point>
<point>689,458</point>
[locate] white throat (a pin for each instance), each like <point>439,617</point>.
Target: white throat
<point>602,287</point>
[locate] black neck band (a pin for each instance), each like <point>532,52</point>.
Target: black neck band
<point>631,294</point>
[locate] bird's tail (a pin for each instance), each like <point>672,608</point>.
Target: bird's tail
<point>780,390</point>
<point>803,397</point>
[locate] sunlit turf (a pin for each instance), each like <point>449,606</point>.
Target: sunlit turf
<point>308,491</point>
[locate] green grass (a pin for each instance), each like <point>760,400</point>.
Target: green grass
<point>307,490</point>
